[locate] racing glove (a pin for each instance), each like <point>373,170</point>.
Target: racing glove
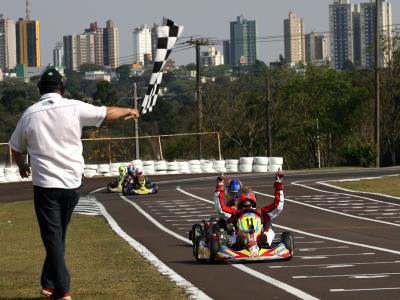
<point>220,184</point>
<point>278,180</point>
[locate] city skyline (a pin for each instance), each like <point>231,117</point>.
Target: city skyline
<point>206,19</point>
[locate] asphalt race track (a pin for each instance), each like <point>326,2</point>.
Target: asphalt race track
<point>346,244</point>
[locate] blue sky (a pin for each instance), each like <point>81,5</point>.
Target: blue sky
<point>207,18</point>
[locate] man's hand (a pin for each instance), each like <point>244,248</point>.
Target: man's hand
<point>279,175</point>
<point>24,171</point>
<point>133,114</point>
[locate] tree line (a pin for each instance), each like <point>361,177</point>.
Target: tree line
<point>318,115</point>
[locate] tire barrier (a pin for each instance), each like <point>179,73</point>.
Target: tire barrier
<point>258,164</point>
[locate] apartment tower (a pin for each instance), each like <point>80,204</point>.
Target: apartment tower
<point>8,58</point>
<point>294,39</point>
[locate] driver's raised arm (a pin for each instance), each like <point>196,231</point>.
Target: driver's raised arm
<point>222,210</point>
<point>275,208</point>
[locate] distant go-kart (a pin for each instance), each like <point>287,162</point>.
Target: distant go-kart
<point>114,187</point>
<point>212,243</point>
<point>137,186</point>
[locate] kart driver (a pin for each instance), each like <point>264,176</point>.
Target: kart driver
<point>247,199</point>
<point>120,178</point>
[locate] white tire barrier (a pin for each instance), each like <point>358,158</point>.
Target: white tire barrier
<point>231,161</point>
<point>103,168</point>
<point>274,168</point>
<point>260,168</point>
<point>246,160</point>
<point>91,167</point>
<point>261,160</point>
<point>275,161</point>
<point>247,168</point>
<point>148,163</point>
<point>11,171</point>
<point>244,164</point>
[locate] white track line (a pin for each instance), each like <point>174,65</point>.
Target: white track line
<point>340,265</point>
<point>353,191</point>
<point>289,289</point>
<point>306,233</point>
<point>351,276</point>
<point>332,211</point>
<point>364,290</point>
<point>190,289</point>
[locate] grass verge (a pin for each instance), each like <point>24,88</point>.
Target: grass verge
<point>102,266</point>
<point>389,185</point>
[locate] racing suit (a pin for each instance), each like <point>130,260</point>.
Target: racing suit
<point>267,213</point>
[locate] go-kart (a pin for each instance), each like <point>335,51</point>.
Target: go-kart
<point>211,242</point>
<point>137,185</point>
<point>114,187</point>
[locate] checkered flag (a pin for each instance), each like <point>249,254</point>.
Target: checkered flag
<point>167,35</point>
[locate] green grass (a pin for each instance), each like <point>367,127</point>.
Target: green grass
<point>389,185</point>
<point>102,265</point>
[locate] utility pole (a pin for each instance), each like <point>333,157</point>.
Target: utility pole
<point>268,115</point>
<point>377,99</point>
<point>135,103</point>
<point>198,43</point>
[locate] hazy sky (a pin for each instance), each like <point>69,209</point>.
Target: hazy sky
<point>207,18</point>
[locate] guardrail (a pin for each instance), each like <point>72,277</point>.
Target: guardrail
<point>114,149</point>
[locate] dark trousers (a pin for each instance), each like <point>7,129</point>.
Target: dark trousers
<point>54,208</point>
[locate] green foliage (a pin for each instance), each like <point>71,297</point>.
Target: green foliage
<point>359,154</point>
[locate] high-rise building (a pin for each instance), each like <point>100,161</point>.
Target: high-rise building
<point>28,42</point>
<point>226,45</point>
<point>58,54</point>
<point>98,42</point>
<point>8,58</point>
<point>368,29</point>
<point>111,45</point>
<point>294,39</point>
<point>78,50</point>
<point>70,53</point>
<point>211,57</point>
<point>243,42</point>
<point>317,48</point>
<point>341,27</point>
<point>141,44</point>
<point>154,41</point>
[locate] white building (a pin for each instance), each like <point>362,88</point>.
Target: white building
<point>141,44</point>
<point>78,50</point>
<point>111,45</point>
<point>317,48</point>
<point>8,50</point>
<point>98,75</point>
<point>212,57</point>
<point>294,39</point>
<point>58,54</point>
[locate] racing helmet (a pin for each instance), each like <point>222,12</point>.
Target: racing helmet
<point>246,199</point>
<point>233,188</point>
<point>130,169</point>
<point>122,169</point>
<point>139,171</point>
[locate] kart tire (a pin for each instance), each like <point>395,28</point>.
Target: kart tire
<point>288,240</point>
<point>125,190</point>
<point>196,249</point>
<point>194,234</point>
<point>109,188</point>
<point>214,248</point>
